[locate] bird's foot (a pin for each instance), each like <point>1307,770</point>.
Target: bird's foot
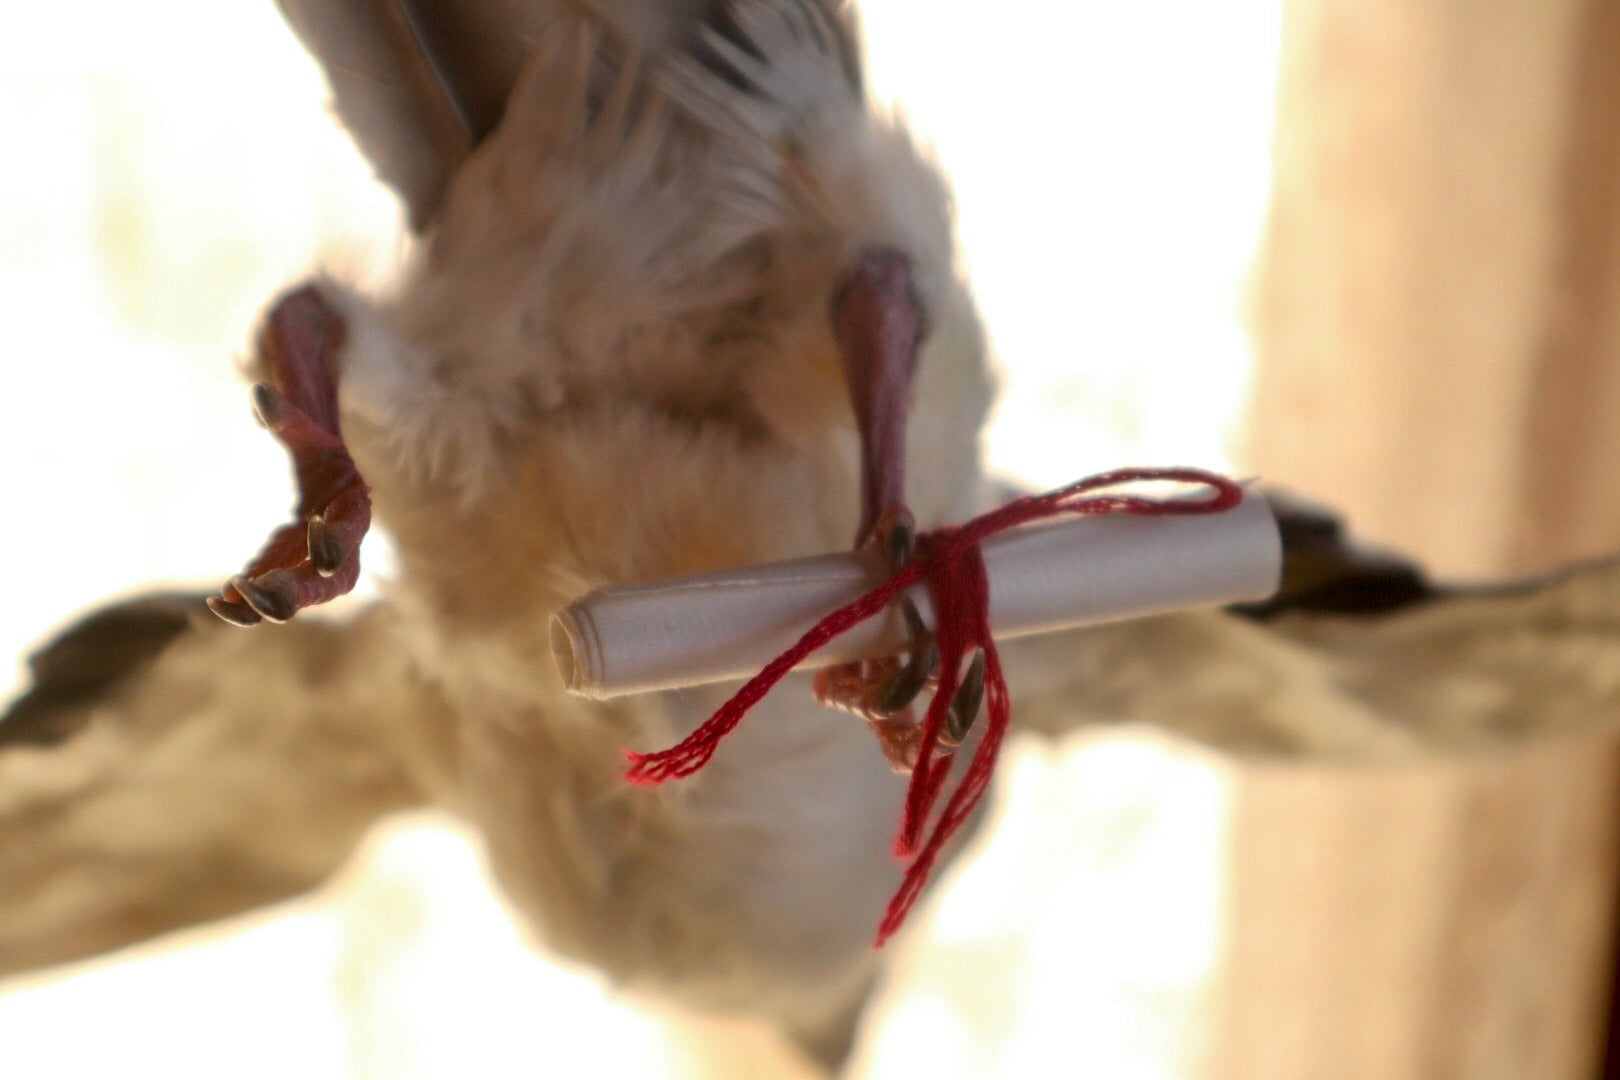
<point>859,688</point>
<point>881,691</point>
<point>316,557</point>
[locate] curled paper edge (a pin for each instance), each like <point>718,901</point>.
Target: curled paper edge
<point>1060,575</point>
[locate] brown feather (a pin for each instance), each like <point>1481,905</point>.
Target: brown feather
<point>420,84</point>
<point>193,771</point>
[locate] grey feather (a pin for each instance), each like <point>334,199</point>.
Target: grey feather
<point>419,84</point>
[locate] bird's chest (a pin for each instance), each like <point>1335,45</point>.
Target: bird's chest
<point>770,867</point>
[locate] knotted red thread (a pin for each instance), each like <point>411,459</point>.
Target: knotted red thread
<point>950,562</point>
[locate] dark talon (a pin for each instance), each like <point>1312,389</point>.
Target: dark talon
<point>965,704</point>
<point>273,603</point>
<point>326,552</point>
<point>233,613</point>
<point>267,404</point>
<point>922,659</point>
<point>904,686</point>
<point>901,540</point>
<point>915,627</point>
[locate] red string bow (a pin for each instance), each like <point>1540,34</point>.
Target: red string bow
<point>951,564</point>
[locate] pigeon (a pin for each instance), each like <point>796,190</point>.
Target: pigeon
<point>680,298</point>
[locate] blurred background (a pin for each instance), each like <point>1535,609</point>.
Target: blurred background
<point>1363,249</point>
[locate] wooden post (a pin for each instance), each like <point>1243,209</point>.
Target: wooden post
<point>1438,325</point>
<point>1449,922</point>
<point>1438,291</point>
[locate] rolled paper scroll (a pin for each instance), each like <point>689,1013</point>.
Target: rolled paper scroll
<point>1076,571</point>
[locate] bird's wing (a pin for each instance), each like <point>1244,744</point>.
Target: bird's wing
<point>1482,667</point>
<point>165,769</point>
<point>1361,660</point>
<point>421,83</point>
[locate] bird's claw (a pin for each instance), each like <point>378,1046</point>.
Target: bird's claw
<point>899,690</point>
<point>965,704</point>
<point>271,596</point>
<point>898,530</point>
<point>326,549</point>
<point>881,691</point>
<point>316,557</point>
<point>235,612</point>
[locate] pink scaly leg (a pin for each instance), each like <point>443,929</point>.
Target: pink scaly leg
<point>317,557</point>
<point>879,324</point>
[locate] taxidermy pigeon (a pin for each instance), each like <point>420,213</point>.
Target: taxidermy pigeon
<point>680,300</point>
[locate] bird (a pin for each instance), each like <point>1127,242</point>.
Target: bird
<point>680,298</point>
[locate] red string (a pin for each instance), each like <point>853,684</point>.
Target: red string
<point>951,564</point>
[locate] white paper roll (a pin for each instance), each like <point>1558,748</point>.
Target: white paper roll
<point>1049,576</point>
